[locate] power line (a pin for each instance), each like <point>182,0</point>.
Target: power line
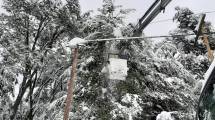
<point>149,37</point>
<point>165,20</point>
<point>208,12</point>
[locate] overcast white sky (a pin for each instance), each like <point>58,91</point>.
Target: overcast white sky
<point>142,5</point>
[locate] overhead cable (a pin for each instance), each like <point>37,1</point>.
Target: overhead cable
<point>147,37</point>
<point>169,19</point>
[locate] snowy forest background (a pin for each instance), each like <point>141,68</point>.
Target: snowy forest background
<point>164,77</point>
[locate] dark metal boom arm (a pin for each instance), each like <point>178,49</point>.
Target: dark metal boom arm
<point>150,14</point>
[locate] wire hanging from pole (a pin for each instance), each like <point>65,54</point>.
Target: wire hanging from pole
<point>170,19</point>
<point>148,37</point>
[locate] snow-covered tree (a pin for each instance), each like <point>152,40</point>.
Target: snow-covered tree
<point>35,64</point>
<point>33,59</point>
<point>187,22</point>
<point>194,58</point>
<point>92,91</point>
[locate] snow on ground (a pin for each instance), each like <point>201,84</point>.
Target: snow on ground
<point>164,116</point>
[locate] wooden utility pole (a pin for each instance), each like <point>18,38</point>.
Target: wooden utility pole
<point>206,43</point>
<point>200,30</point>
<point>71,84</point>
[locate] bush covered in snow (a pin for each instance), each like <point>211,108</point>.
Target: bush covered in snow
<point>161,81</point>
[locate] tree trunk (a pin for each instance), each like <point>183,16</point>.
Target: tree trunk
<point>23,88</point>
<point>17,102</point>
